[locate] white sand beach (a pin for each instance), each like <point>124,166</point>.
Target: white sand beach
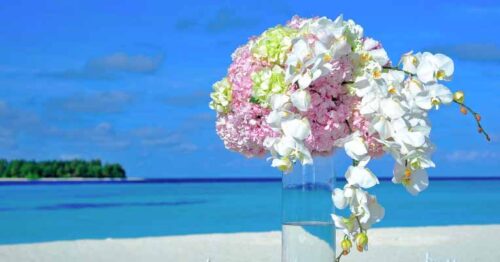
<point>462,243</point>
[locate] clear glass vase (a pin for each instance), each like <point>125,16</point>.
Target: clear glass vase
<point>308,233</point>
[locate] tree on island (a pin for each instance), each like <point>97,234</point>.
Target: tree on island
<point>59,169</point>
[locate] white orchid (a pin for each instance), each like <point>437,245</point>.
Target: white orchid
<point>348,226</point>
<point>391,108</point>
<point>415,181</point>
<point>410,62</point>
<point>394,81</point>
<point>339,48</point>
<point>296,128</point>
<point>302,154</point>
<point>372,213</point>
<point>279,101</point>
<point>419,158</point>
<point>434,95</point>
<point>373,52</point>
<point>389,111</point>
<point>354,146</point>
<point>327,30</point>
<point>361,204</point>
<point>361,176</point>
<point>306,63</point>
<point>412,87</point>
<point>280,105</point>
<point>283,164</point>
<point>301,99</point>
<point>407,137</point>
<point>352,196</point>
<point>434,67</point>
<point>367,84</point>
<point>286,149</point>
<point>339,200</point>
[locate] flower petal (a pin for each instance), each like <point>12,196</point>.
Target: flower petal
<point>425,71</point>
<point>445,64</point>
<point>361,176</point>
<point>339,199</point>
<point>355,148</point>
<point>278,101</point>
<point>305,80</point>
<point>301,99</point>
<point>296,128</point>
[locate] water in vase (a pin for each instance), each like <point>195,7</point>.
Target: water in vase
<point>307,227</point>
<point>308,241</point>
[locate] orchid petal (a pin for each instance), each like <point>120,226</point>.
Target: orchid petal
<point>296,128</point>
<point>361,176</point>
<point>301,99</point>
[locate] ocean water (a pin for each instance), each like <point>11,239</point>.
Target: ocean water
<point>41,212</point>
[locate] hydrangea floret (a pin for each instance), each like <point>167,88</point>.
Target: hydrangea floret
<point>267,82</point>
<point>313,85</point>
<point>273,45</point>
<point>221,96</point>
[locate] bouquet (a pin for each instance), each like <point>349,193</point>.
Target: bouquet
<point>314,85</point>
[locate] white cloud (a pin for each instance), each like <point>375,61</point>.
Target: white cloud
<point>121,62</point>
<point>110,67</point>
<point>485,52</point>
<point>463,155</point>
<point>155,137</point>
<point>100,102</point>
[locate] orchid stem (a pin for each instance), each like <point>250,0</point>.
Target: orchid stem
<point>339,256</point>
<point>354,162</point>
<point>359,223</point>
<point>477,118</point>
<point>474,113</point>
<point>397,69</point>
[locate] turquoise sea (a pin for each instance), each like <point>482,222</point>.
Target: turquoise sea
<point>38,212</point>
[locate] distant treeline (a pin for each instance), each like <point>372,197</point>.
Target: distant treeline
<point>59,169</point>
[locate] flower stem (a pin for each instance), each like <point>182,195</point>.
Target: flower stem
<point>359,223</point>
<point>354,162</point>
<point>397,69</point>
<point>474,113</point>
<point>477,118</point>
<point>339,256</point>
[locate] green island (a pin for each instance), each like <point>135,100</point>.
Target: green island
<point>29,169</point>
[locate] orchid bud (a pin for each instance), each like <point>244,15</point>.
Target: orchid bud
<point>346,245</point>
<point>459,97</point>
<point>478,117</point>
<point>463,110</point>
<point>361,242</point>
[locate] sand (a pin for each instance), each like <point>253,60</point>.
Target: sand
<point>461,243</point>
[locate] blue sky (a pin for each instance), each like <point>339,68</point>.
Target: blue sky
<point>128,81</point>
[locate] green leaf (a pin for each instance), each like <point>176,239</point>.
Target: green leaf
<point>254,100</point>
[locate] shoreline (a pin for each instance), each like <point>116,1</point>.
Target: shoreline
<point>462,243</point>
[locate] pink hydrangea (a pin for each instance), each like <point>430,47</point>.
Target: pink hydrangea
<point>296,22</point>
<point>244,128</point>
<point>331,107</point>
<point>240,75</point>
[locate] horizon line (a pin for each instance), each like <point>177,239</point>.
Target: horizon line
<point>178,180</point>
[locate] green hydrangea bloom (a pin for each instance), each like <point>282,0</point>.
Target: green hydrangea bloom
<point>221,96</point>
<point>354,34</point>
<point>266,83</point>
<point>274,44</point>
